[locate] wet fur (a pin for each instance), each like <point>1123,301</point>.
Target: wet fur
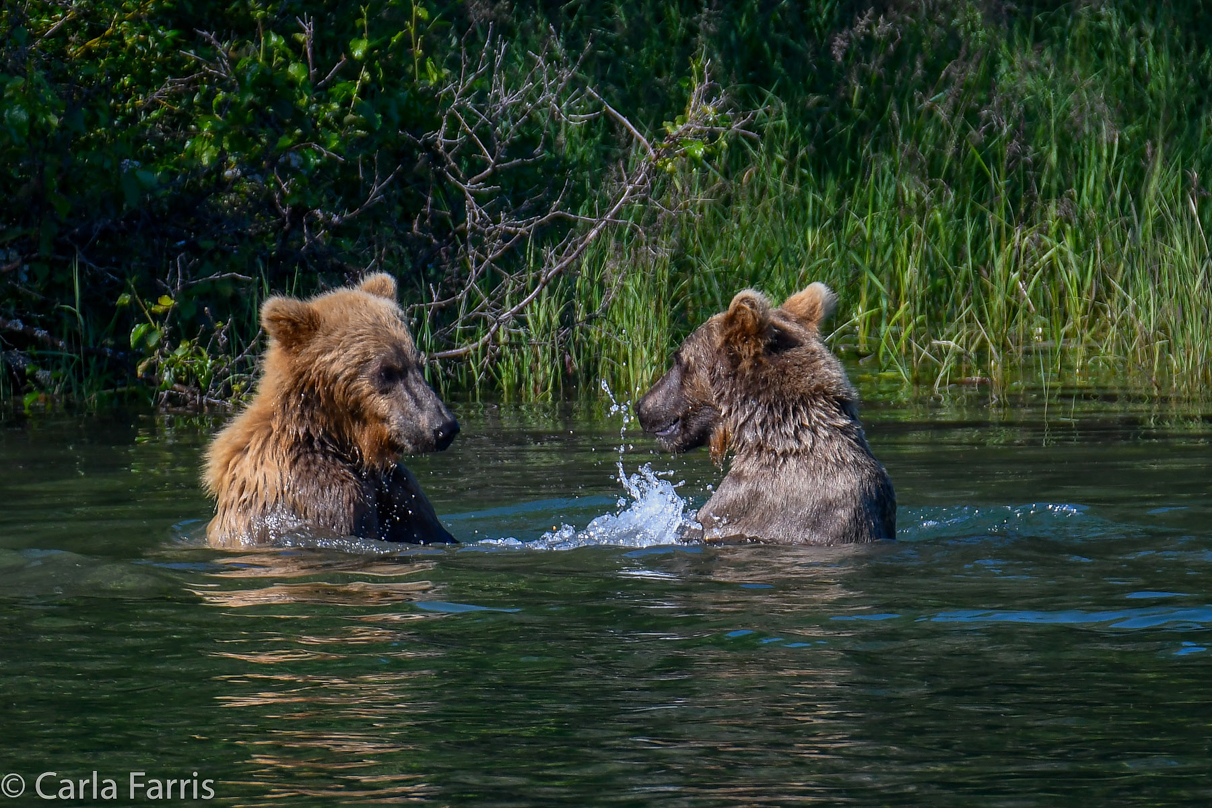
<point>341,397</point>
<point>757,383</point>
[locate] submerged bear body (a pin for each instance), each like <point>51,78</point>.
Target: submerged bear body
<point>340,399</point>
<point>758,384</point>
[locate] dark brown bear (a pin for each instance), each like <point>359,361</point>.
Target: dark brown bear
<point>341,398</point>
<point>759,383</point>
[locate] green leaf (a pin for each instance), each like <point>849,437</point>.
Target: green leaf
<point>297,71</point>
<point>18,119</point>
<point>123,299</point>
<point>137,333</point>
<point>357,48</point>
<point>431,71</point>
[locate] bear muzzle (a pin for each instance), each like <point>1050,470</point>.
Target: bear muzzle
<point>444,434</point>
<point>668,431</point>
<point>656,415</point>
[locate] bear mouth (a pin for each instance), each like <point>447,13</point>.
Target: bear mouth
<point>669,429</point>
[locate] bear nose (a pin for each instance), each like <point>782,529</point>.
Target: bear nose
<point>445,434</point>
<point>644,413</point>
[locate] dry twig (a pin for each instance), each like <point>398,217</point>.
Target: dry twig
<point>482,142</point>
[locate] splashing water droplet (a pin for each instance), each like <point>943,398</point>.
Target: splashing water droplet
<point>653,515</point>
<point>615,409</point>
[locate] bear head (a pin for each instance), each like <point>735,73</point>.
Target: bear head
<point>753,368</point>
<point>345,371</point>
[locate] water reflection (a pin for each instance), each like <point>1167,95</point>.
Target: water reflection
<point>327,671</point>
<point>1038,634</point>
<point>253,579</point>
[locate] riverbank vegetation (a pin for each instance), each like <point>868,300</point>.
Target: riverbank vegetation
<point>565,190</point>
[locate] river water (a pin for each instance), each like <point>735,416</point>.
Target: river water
<point>1038,635</point>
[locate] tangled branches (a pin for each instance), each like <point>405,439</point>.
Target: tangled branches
<point>299,150</point>
<point>495,135</point>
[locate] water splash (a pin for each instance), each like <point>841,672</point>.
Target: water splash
<point>653,513</point>
<point>623,409</point>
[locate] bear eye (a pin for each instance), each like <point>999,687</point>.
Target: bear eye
<point>390,375</point>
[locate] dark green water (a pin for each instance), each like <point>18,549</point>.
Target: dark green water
<point>1039,636</point>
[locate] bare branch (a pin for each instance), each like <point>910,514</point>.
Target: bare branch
<point>48,340</point>
<point>308,24</point>
<point>500,132</point>
<point>324,82</point>
<point>613,113</point>
<point>71,15</point>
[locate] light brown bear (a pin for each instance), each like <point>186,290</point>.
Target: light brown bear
<point>758,382</point>
<point>340,399</point>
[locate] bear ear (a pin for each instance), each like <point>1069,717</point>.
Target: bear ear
<point>290,322</point>
<point>379,284</point>
<point>746,324</point>
<point>812,306</point>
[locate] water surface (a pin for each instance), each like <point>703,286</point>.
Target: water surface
<point>1037,636</point>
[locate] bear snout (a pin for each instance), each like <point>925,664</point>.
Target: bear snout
<point>655,415</point>
<point>663,425</point>
<point>445,433</point>
<point>644,410</point>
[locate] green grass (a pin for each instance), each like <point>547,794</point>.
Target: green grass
<point>1109,284</point>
